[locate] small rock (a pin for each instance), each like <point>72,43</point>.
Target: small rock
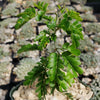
<point>86,80</point>
<point>70,8</point>
<point>67,2</point>
<point>88,17</point>
<point>89,60</point>
<point>10,10</point>
<point>27,31</point>
<point>82,86</point>
<point>5,35</point>
<point>53,98</point>
<point>5,71</point>
<point>43,27</point>
<point>89,95</point>
<point>2,98</point>
<point>16,94</point>
<point>51,8</point>
<point>91,28</point>
<point>30,94</point>
<point>79,1</point>
<point>58,33</point>
<point>84,9</point>
<point>25,66</point>
<point>9,40</point>
<point>96,38</point>
<point>8,23</point>
<point>7,58</point>
<point>29,3</point>
<point>19,1</point>
<point>86,44</point>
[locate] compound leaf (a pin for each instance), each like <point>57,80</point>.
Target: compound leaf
<point>28,47</point>
<point>74,15</point>
<point>52,65</point>
<point>74,62</point>
<point>25,16</point>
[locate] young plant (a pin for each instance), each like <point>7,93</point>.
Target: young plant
<point>59,69</point>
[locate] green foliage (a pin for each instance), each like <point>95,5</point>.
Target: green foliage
<point>38,72</point>
<point>28,47</point>
<point>42,6</point>
<point>25,16</point>
<point>58,69</point>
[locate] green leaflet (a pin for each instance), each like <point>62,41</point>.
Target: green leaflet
<point>29,11</point>
<point>41,86</point>
<point>19,23</point>
<point>59,6</point>
<point>60,89</point>
<point>66,53</point>
<point>40,94</point>
<point>51,24</point>
<point>69,67</point>
<point>40,15</point>
<point>53,37</point>
<point>73,50</point>
<point>49,18</point>
<point>74,61</point>
<point>28,47</point>
<point>75,23</point>
<point>65,45</point>
<point>77,33</point>
<point>74,15</point>
<point>75,40</point>
<point>69,78</point>
<point>43,42</point>
<point>68,57</point>
<point>41,5</point>
<point>63,84</point>
<point>38,89</point>
<point>40,36</point>
<point>64,24</point>
<point>65,15</point>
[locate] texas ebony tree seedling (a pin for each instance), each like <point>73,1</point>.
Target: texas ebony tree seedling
<point>57,70</point>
